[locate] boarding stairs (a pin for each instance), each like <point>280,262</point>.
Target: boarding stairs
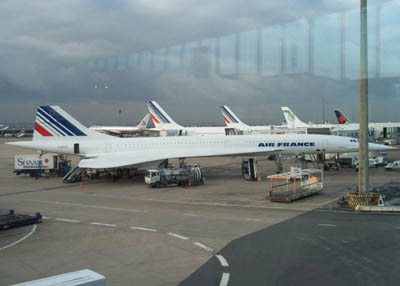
<point>74,175</point>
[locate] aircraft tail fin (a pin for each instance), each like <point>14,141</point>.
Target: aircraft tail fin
<point>341,118</point>
<point>160,118</point>
<point>144,123</point>
<point>291,119</point>
<point>53,123</point>
<point>230,118</point>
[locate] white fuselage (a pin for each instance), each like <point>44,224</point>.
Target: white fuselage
<point>286,144</point>
<point>202,131</point>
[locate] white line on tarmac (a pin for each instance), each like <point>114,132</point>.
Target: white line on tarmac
<point>178,236</point>
<point>103,224</point>
<point>326,224</point>
<point>205,247</point>
<point>21,239</point>
<point>224,279</point>
<point>46,217</point>
<point>190,214</point>
<point>173,202</point>
<point>327,202</point>
<point>252,219</point>
<point>398,227</point>
<point>351,212</point>
<point>222,260</point>
<point>143,228</point>
<point>68,220</point>
<point>82,205</point>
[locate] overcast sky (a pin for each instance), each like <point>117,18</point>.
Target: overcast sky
<point>45,47</point>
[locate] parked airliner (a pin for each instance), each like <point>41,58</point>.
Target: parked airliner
<point>233,121</point>
<point>380,131</point>
<point>163,121</point>
<point>57,131</point>
<point>119,130</point>
<point>3,127</point>
<point>347,130</point>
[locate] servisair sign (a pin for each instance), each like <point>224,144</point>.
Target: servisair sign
<point>33,161</point>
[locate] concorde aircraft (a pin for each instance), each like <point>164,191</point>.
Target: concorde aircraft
<point>56,131</point>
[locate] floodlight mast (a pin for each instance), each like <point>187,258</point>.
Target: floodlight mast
<point>363,176</point>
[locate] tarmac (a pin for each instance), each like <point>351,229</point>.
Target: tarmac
<point>136,235</point>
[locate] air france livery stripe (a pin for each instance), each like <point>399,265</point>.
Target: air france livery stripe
<point>64,122</point>
<point>154,118</point>
<point>50,123</point>
<point>44,122</point>
<point>158,113</point>
<point>229,115</point>
<point>41,130</point>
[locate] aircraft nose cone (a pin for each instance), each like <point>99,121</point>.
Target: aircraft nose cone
<point>380,147</point>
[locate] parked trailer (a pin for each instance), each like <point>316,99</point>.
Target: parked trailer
<point>37,164</point>
<point>189,175</point>
<point>296,184</point>
<point>12,220</point>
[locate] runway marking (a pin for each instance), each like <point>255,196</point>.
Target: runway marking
<point>21,239</point>
<point>209,249</point>
<point>398,227</point>
<point>224,279</point>
<point>46,217</point>
<point>190,214</point>
<point>143,228</point>
<point>326,224</point>
<point>68,220</point>
<point>178,236</point>
<point>169,202</point>
<point>352,212</point>
<point>327,202</point>
<point>222,260</point>
<point>252,219</point>
<point>103,224</point>
<point>82,205</point>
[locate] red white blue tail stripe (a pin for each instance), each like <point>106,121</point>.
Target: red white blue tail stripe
<point>156,114</point>
<point>51,123</point>
<point>228,116</point>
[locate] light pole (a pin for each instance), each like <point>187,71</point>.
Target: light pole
<point>363,162</point>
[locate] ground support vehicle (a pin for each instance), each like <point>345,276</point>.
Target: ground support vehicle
<point>188,175</point>
<point>296,184</point>
<point>372,163</point>
<point>249,169</point>
<point>38,164</point>
<point>12,220</point>
<point>392,165</point>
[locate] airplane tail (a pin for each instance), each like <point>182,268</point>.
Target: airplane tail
<point>160,118</point>
<point>341,118</point>
<point>145,122</point>
<point>53,123</point>
<point>291,119</point>
<point>230,118</point>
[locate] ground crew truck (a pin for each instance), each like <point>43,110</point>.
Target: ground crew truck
<point>37,164</point>
<point>188,175</point>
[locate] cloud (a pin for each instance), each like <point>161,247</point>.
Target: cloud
<point>46,46</point>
